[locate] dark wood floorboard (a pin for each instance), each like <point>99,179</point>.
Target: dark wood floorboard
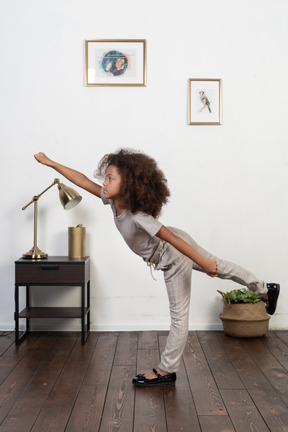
<point>52,383</point>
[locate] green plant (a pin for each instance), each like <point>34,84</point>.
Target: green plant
<point>242,295</point>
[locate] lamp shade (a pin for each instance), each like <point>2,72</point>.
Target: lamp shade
<point>69,198</point>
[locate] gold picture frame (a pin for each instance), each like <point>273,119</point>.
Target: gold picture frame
<point>115,62</point>
<point>205,101</point>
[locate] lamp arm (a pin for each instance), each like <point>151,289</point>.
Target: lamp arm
<point>35,198</point>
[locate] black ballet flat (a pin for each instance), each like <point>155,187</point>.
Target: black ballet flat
<point>273,294</point>
<point>162,380</point>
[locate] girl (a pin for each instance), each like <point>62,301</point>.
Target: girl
<point>136,189</point>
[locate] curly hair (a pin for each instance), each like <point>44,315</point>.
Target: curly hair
<point>143,187</point>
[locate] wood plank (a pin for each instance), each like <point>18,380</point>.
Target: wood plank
<point>149,402</point>
<point>148,340</point>
<point>26,409</point>
<point>206,395</point>
<point>16,382</point>
<point>243,412</point>
<point>271,334</point>
<point>88,409</point>
<point>179,404</point>
<point>282,334</point>
<point>14,354</point>
<point>277,348</point>
<point>126,351</point>
<point>58,406</point>
<point>6,340</point>
<point>99,370</point>
<point>119,401</point>
<point>223,371</point>
<point>270,366</point>
<point>268,402</point>
<point>147,360</point>
<point>87,413</point>
<point>216,424</point>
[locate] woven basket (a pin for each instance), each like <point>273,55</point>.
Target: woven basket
<point>245,319</point>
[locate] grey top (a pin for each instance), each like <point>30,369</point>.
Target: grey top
<point>138,230</point>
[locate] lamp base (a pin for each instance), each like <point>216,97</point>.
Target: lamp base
<point>35,253</point>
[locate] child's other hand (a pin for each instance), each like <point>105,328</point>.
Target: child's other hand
<point>211,268</point>
<point>42,158</point>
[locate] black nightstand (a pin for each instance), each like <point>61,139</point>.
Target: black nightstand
<point>53,271</point>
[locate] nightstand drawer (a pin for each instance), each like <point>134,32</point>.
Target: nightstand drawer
<point>49,273</point>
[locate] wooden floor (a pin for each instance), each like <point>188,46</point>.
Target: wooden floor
<point>50,382</point>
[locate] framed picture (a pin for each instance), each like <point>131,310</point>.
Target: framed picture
<point>115,62</point>
<point>205,101</point>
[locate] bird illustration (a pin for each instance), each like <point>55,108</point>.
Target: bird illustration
<point>205,101</point>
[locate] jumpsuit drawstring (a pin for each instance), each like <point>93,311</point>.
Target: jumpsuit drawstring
<point>152,267</point>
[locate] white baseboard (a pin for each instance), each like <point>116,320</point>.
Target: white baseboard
<point>277,322</point>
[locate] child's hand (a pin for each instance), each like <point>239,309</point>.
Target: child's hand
<point>211,268</point>
<point>42,158</point>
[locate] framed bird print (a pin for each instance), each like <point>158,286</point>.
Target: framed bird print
<point>115,62</point>
<point>205,101</point>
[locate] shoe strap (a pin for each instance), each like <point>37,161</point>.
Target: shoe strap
<point>157,373</point>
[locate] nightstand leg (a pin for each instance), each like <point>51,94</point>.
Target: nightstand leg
<point>85,326</point>
<point>88,307</point>
<point>27,306</point>
<point>16,314</point>
<point>83,314</point>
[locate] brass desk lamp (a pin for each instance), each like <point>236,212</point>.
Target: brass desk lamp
<point>69,198</point>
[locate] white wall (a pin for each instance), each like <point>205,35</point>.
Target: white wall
<point>228,183</point>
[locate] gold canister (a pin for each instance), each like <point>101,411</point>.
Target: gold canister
<point>76,241</point>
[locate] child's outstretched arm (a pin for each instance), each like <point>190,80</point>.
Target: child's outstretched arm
<point>208,265</point>
<point>70,174</point>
